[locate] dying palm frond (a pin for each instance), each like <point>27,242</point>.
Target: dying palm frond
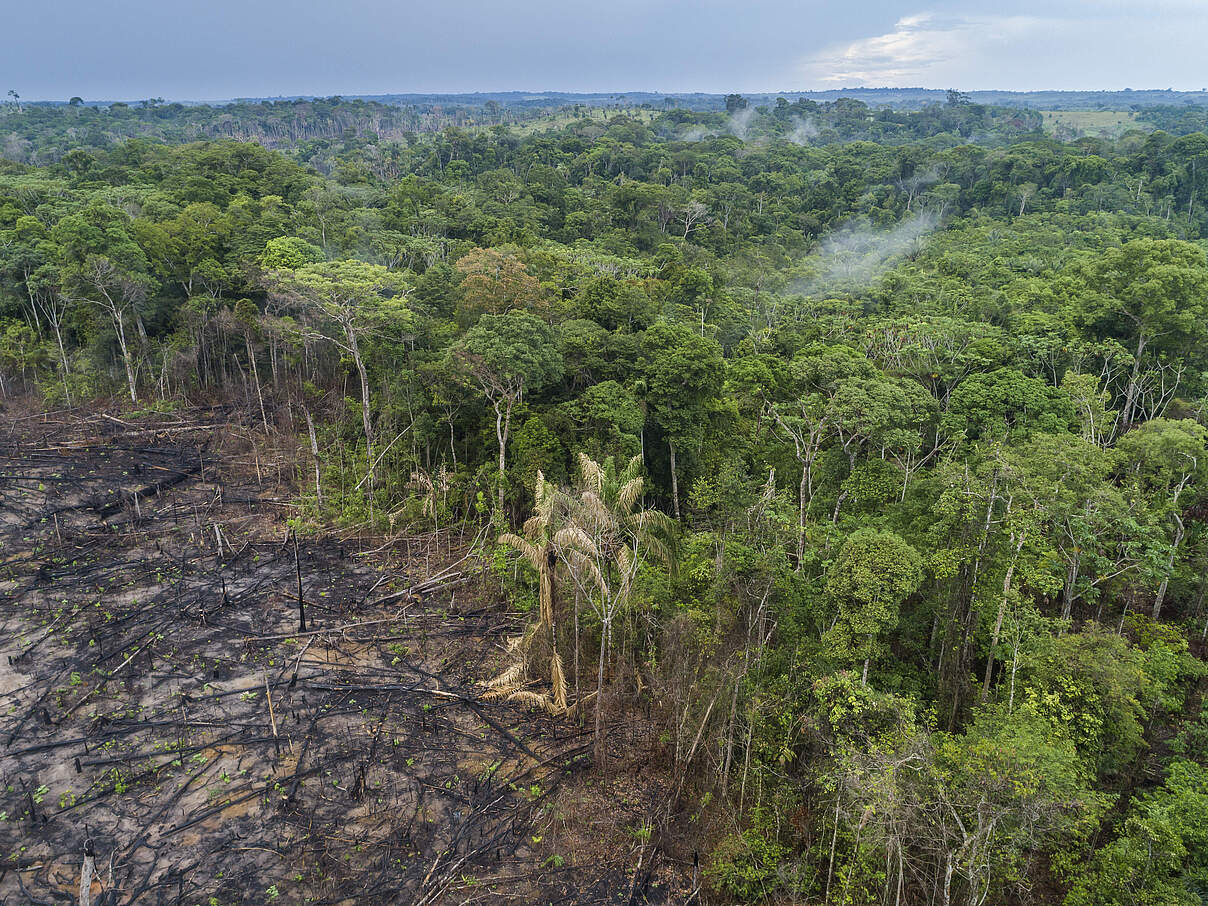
<point>594,506</point>
<point>501,693</point>
<point>558,681</point>
<point>422,481</point>
<point>630,493</point>
<point>532,699</point>
<point>574,538</point>
<point>592,472</point>
<point>633,469</point>
<point>526,548</point>
<point>625,561</point>
<point>512,678</point>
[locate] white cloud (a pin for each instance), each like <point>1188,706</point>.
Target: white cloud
<point>922,49</point>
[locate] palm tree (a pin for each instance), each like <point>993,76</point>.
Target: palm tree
<point>605,542</point>
<point>537,547</point>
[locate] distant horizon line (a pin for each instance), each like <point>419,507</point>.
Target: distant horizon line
<point>552,92</point>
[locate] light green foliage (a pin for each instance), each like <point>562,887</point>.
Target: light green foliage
<point>872,575</point>
<point>289,252</point>
<point>747,865</point>
<point>1014,782</point>
<point>1092,684</point>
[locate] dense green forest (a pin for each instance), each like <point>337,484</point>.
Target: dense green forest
<point>314,131</point>
<point>862,451</point>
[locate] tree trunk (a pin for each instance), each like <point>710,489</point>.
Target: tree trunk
<point>366,422</point>
<point>1067,599</point>
<point>674,483</point>
<point>576,642</point>
<point>1131,394</point>
<point>830,867</point>
<point>87,870</point>
<point>62,358</point>
<point>314,453</point>
<point>503,423</point>
<point>119,323</point>
<point>251,357</point>
<point>802,503</point>
<point>1178,539</point>
<point>1002,610</point>
<point>599,729</point>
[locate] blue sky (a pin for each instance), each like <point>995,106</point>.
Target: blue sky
<point>214,49</point>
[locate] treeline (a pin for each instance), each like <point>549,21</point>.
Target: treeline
<point>41,134</point>
<point>875,474</point>
<point>1175,120</point>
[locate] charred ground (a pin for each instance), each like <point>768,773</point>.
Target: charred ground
<point>163,709</point>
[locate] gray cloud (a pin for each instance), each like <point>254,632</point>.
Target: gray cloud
<point>189,49</point>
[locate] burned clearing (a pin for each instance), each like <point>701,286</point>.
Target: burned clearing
<point>167,720</point>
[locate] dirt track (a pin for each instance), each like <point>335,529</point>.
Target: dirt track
<point>161,705</point>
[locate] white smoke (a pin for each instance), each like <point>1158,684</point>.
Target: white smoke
<point>852,258</point>
<point>804,131</point>
<point>740,123</point>
<point>921,180</point>
<point>737,124</point>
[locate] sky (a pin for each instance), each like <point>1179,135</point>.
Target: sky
<point>220,49</point>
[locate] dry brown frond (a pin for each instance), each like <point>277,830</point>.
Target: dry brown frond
<point>574,538</point>
<point>532,699</point>
<point>558,679</point>
<point>511,677</point>
<point>595,507</point>
<point>630,493</point>
<point>503,692</point>
<point>526,548</point>
<point>625,560</point>
<point>593,472</point>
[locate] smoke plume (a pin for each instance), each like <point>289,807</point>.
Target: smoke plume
<point>804,131</point>
<point>852,258</point>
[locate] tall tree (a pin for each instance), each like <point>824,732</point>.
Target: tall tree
<point>347,302</point>
<point>507,356</point>
<point>103,265</point>
<point>684,373</point>
<point>873,573</point>
<point>1151,294</point>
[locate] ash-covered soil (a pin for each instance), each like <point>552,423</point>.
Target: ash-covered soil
<point>162,708</point>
